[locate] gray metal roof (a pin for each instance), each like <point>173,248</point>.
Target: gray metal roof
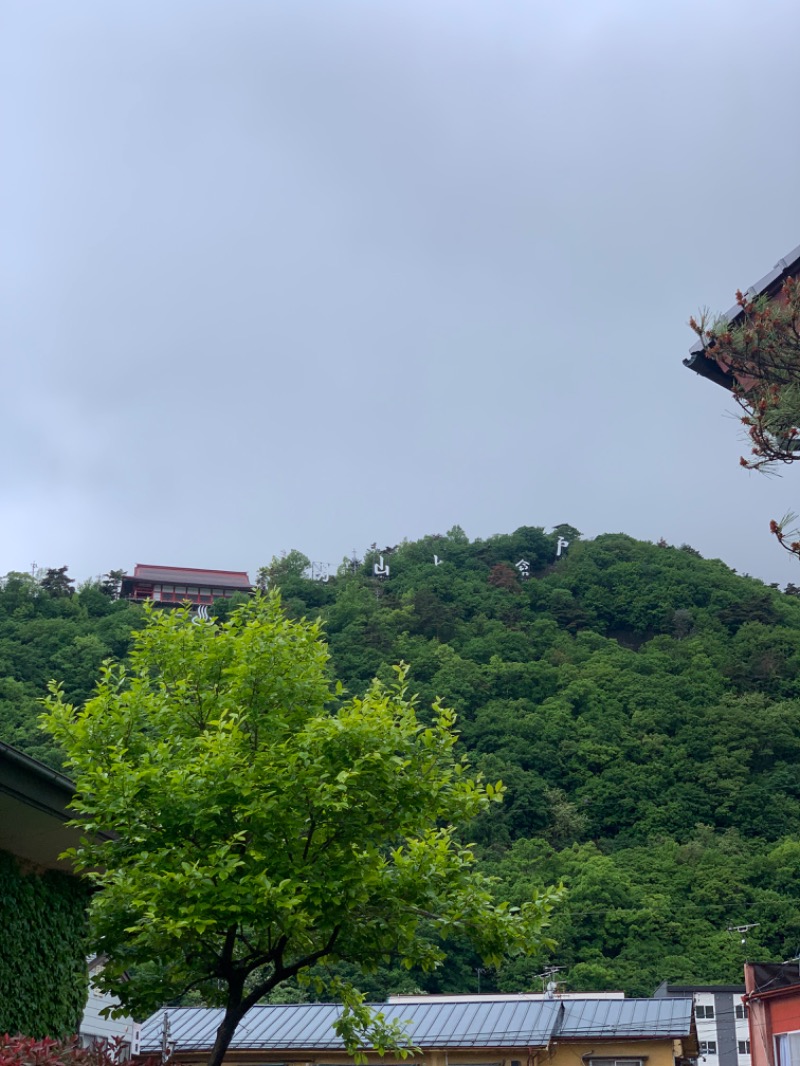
<point>597,1018</point>
<point>508,1023</point>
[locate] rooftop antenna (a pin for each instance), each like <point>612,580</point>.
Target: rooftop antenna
<point>549,986</point>
<point>166,1050</point>
<point>743,930</point>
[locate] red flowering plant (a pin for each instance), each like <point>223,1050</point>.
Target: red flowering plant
<point>46,1051</point>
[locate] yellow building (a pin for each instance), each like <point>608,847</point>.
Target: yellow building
<point>602,1029</point>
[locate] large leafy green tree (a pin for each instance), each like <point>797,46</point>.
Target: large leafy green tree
<point>245,821</point>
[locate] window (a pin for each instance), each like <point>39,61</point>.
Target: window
<point>701,1011</point>
<point>744,1047</point>
<point>594,1061</point>
<point>708,1047</point>
<point>741,1011</point>
<point>787,1046</point>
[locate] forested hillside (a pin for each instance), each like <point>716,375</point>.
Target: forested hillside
<point>49,631</point>
<point>641,705</point>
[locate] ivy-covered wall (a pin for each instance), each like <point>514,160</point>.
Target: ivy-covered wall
<point>43,977</point>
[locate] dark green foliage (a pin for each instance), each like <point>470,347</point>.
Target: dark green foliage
<point>626,694</point>
<point>45,635</point>
<point>43,978</point>
<point>112,582</point>
<point>56,582</point>
<point>640,703</point>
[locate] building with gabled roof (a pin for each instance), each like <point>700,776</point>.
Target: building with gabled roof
<point>173,585</point>
<point>701,359</point>
<point>598,1030</point>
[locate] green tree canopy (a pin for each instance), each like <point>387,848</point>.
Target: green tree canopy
<point>244,821</point>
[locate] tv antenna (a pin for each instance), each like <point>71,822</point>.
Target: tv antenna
<point>166,1050</point>
<point>549,985</point>
<point>743,930</point>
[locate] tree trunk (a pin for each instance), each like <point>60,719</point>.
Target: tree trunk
<point>227,1028</point>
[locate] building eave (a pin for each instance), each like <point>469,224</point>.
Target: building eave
<point>705,365</point>
<point>34,810</point>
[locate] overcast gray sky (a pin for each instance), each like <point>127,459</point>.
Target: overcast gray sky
<point>318,274</point>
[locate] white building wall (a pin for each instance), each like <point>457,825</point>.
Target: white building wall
<point>95,1028</point>
<point>708,1017</point>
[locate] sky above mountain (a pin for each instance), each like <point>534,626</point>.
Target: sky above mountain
<point>318,274</point>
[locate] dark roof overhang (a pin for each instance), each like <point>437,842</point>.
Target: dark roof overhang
<point>707,367</point>
<point>699,358</point>
<point>34,807</point>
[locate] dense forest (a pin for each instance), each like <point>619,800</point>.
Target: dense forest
<point>640,704</point>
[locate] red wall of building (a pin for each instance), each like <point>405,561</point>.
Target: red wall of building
<point>785,1013</point>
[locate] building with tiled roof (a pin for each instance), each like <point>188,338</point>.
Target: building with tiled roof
<point>174,585</point>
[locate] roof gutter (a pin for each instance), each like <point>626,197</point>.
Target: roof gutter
<point>34,784</point>
<point>774,993</point>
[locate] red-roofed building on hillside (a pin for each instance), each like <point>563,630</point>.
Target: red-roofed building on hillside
<point>174,585</point>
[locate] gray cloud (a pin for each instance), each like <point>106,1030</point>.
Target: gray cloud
<point>320,274</point>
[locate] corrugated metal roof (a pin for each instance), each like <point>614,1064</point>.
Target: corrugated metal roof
<point>188,575</point>
<point>507,1023</point>
<point>626,1018</point>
